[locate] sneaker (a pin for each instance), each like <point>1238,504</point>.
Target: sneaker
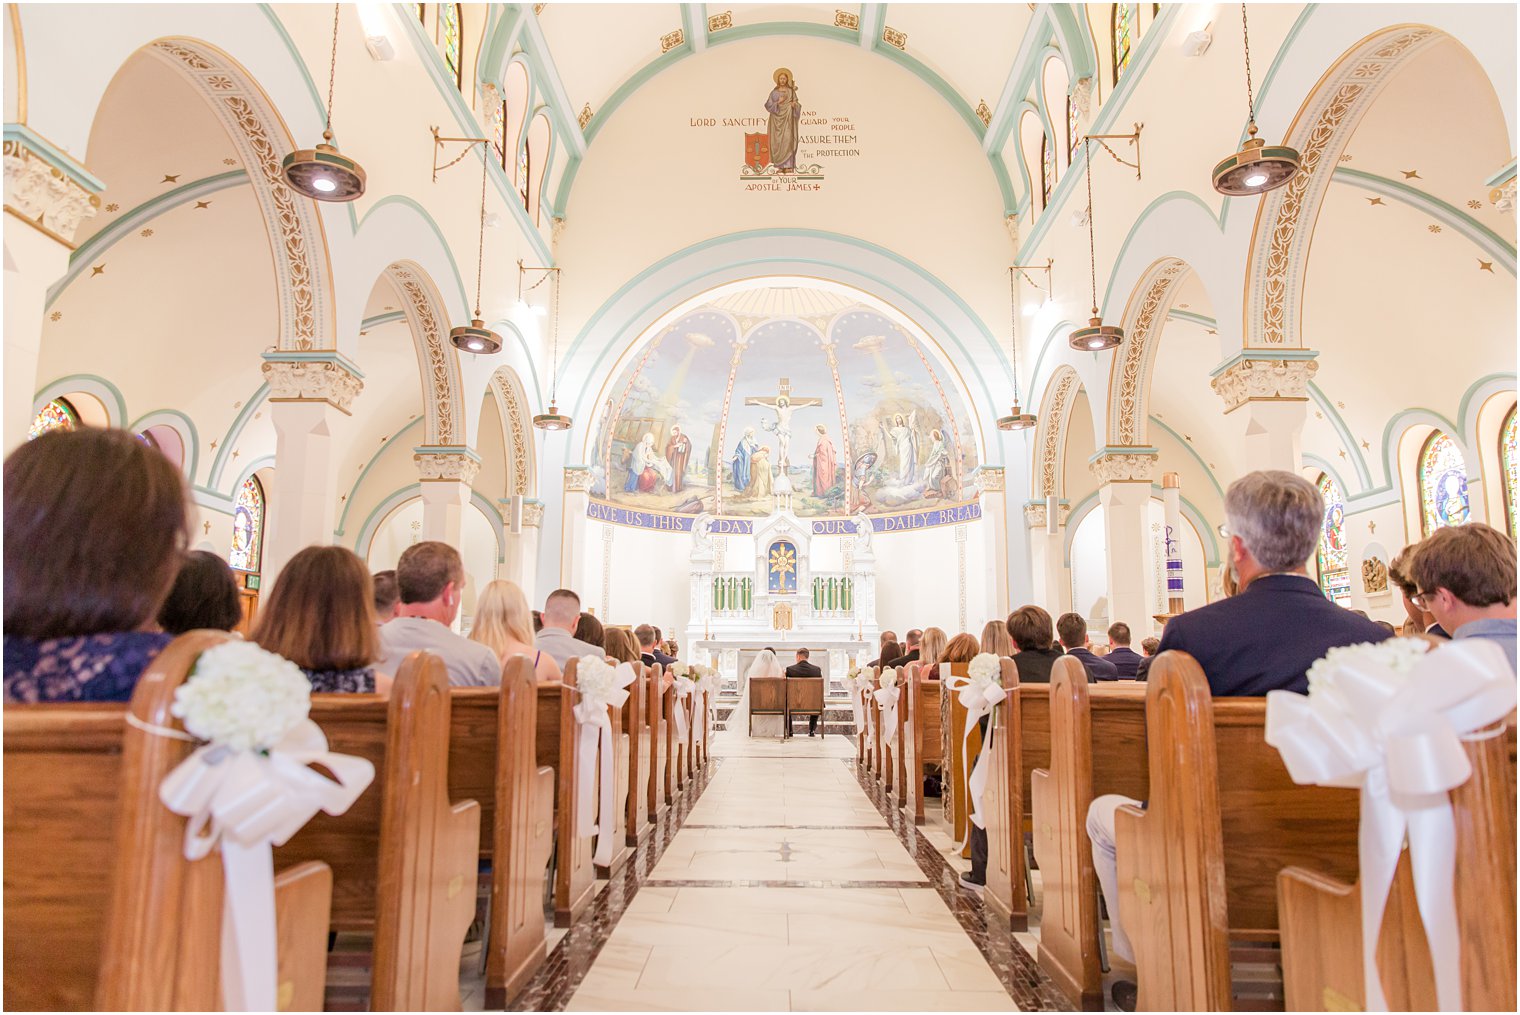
<point>973,887</point>
<point>1126,993</point>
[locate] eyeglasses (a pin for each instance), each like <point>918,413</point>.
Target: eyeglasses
<point>1224,531</point>
<point>1422,600</point>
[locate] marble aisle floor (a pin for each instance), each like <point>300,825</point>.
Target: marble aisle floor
<point>786,889</point>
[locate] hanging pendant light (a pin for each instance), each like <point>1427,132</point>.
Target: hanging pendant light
<point>1255,169</point>
<point>476,337</point>
<point>553,419</point>
<point>1017,418</point>
<point>322,173</point>
<point>1097,336</point>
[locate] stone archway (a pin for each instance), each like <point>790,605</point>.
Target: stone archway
<point>511,405</point>
<point>1050,437</point>
<point>437,362</point>
<point>1129,378</point>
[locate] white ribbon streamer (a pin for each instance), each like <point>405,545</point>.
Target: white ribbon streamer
<point>1398,738</point>
<point>887,698</point>
<point>979,699</point>
<point>864,684</point>
<point>597,792</point>
<point>683,686</point>
<point>250,803</point>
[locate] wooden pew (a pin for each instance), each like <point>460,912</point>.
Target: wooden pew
<point>921,739</point>
<point>1199,866</point>
<point>767,696</point>
<point>659,743</point>
<point>636,724</point>
<point>102,910</point>
<point>404,856</point>
<point>1110,715</point>
<point>1321,917</point>
<point>956,797</point>
<point>493,758</point>
<point>1019,736</point>
<point>621,746</point>
<point>861,733</point>
<point>804,697</point>
<point>573,874</point>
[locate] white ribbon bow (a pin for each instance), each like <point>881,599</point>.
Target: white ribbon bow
<point>864,684</point>
<point>250,803</point>
<point>596,728</point>
<point>684,686</point>
<point>887,698</point>
<point>979,698</point>
<point>1399,740</point>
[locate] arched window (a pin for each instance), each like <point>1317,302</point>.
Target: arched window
<point>248,526</point>
<point>499,133</point>
<point>522,174</point>
<point>1047,169</point>
<point>1121,27</point>
<point>1334,577</point>
<point>1511,463</point>
<point>1073,133</point>
<point>1442,484</point>
<point>449,26</point>
<point>417,11</point>
<point>59,414</point>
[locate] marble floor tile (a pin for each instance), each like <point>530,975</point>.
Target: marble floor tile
<point>757,999</point>
<point>901,1000</point>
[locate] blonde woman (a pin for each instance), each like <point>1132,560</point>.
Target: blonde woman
<point>931,646</point>
<point>995,639</point>
<point>504,624</point>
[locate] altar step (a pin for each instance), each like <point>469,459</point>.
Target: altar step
<point>838,720</point>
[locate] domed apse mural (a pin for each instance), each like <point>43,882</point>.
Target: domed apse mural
<point>769,387</point>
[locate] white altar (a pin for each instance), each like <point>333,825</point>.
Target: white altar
<point>785,585</point>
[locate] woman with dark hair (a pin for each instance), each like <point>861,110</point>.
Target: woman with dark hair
<point>891,650</point>
<point>620,645</point>
<point>204,596</point>
<point>589,630</point>
<point>95,525</point>
<point>321,616</point>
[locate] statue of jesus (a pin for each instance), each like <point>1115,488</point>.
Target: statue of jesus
<point>783,405</point>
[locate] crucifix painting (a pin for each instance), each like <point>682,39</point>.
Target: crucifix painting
<point>784,404</point>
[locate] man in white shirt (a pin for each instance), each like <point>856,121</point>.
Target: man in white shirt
<point>561,613</point>
<point>430,576</point>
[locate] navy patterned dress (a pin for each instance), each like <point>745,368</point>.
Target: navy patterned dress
<point>93,667</point>
<point>359,681</point>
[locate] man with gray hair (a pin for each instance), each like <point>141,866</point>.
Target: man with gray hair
<point>1263,638</point>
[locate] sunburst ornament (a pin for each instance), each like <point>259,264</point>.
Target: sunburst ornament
<point>783,560</point>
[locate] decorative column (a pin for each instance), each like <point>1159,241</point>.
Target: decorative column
<point>308,393</point>
<point>47,195</point>
<point>1047,550</point>
<point>533,530</point>
<point>446,471</point>
<point>1266,396</point>
<point>990,480</point>
<point>573,552</point>
<point>1124,475</point>
<point>1171,498</point>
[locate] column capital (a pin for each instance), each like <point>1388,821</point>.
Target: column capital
<point>577,479</point>
<point>1264,375</point>
<point>45,187</point>
<point>1122,464</point>
<point>1501,193</point>
<point>1035,515</point>
<point>533,514</point>
<point>313,377</point>
<point>446,463</point>
<point>991,479</point>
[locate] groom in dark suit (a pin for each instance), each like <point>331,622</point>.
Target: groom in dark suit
<point>803,668</point>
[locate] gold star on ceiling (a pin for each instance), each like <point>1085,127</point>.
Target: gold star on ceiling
<point>56,315</point>
<point>99,269</point>
<point>1341,452</point>
<point>1340,405</point>
<point>113,206</point>
<point>1474,204</point>
<point>258,415</point>
<point>1366,446</point>
<point>1487,266</point>
<point>1374,200</point>
<point>1434,228</point>
<point>342,498</point>
<point>170,179</point>
<point>146,233</point>
<point>1318,414</point>
<point>1188,438</point>
<point>202,204</point>
<point>235,453</point>
<point>1411,174</point>
<point>213,445</point>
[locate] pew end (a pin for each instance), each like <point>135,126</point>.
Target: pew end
<point>1005,801</point>
<point>302,905</point>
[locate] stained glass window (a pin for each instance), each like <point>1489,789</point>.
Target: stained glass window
<point>416,10</point>
<point>449,25</point>
<point>149,440</point>
<point>1334,577</point>
<point>1047,169</point>
<point>499,133</point>
<point>522,173</point>
<point>1443,484</point>
<point>1511,462</point>
<point>1123,26</point>
<point>247,526</point>
<point>56,415</point>
<point>1073,134</point>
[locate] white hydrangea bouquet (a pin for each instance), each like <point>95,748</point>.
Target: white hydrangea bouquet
<point>1389,719</point>
<point>248,787</point>
<point>979,691</point>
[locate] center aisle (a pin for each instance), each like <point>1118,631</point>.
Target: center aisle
<point>786,890</point>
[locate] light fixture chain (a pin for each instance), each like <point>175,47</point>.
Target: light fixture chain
<point>480,249</point>
<point>554,338</point>
<point>1245,31</point>
<point>1092,257</point>
<point>332,69</point>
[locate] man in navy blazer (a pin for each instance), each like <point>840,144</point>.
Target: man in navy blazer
<point>1264,638</point>
<point>1072,627</point>
<point>1125,659</point>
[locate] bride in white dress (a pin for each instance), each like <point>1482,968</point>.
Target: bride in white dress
<point>765,665</point>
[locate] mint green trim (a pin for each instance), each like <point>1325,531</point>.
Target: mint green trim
<point>1056,24</point>
<point>1475,388</point>
<point>190,436</point>
<point>219,463</point>
<point>266,462</point>
<point>1487,240</point>
<point>1363,474</point>
<point>1134,231</point>
<point>1259,355</point>
<point>464,300</point>
<point>387,318</point>
<point>1199,522</point>
<point>1504,175</point>
<point>446,449</point>
<point>1034,375</point>
<point>1206,535</point>
<point>116,409</point>
<point>494,53</point>
<point>541,60</point>
<point>53,156</point>
<point>1183,443</point>
<point>498,524</point>
<point>694,24</point>
<point>127,224</point>
<point>1074,41</point>
<point>393,501</point>
<point>1203,320</point>
<point>1124,449</point>
<point>353,491</point>
<point>1323,464</point>
<point>1019,109</point>
<point>502,326</point>
<point>319,356</point>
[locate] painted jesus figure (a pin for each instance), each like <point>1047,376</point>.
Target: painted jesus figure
<point>825,463</point>
<point>785,118</point>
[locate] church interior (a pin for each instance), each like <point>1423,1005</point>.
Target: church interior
<point>994,317</point>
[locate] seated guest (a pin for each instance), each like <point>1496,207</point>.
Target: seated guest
<point>562,612</point>
<point>387,595</point>
<point>660,655</point>
<point>892,647</point>
<point>1072,627</point>
<point>538,622</point>
<point>1465,575</point>
<point>644,635</point>
<point>962,649</point>
<point>953,651</point>
<point>1392,631</point>
<point>1263,638</point>
<point>1148,646</point>
<point>621,646</point>
<point>995,639</point>
<point>803,668</point>
<point>321,616</point>
<point>589,630</point>
<point>931,646</point>
<point>502,622</point>
<point>887,638</point>
<point>1124,659</point>
<point>910,653</point>
<point>1032,633</point>
<point>430,576</point>
<point>1420,621</point>
<point>96,523</point>
<point>204,596</point>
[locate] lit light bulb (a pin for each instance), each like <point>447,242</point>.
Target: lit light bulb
<point>1095,343</point>
<point>476,345</point>
<point>323,184</point>
<point>1256,180</point>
